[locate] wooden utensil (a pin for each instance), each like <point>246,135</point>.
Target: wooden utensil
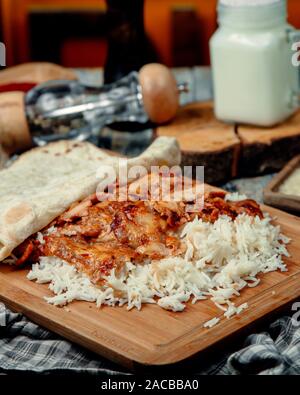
<point>160,92</point>
<point>14,130</point>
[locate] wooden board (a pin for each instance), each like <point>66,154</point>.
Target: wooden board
<point>204,141</point>
<point>226,150</point>
<point>153,336</point>
<point>268,149</point>
<point>278,199</point>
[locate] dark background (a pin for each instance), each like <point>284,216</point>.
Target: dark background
<point>75,33</point>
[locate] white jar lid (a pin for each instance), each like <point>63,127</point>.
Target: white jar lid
<point>240,3</point>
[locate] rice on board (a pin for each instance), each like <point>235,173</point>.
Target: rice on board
<point>221,259</point>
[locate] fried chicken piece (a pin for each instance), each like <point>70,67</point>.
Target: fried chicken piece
<point>216,205</point>
<point>96,260</point>
<point>110,234</point>
<point>27,252</point>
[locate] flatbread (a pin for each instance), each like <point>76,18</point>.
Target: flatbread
<point>45,181</point>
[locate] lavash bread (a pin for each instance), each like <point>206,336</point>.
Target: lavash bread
<point>45,181</point>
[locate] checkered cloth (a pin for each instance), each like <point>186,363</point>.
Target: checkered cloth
<point>25,346</point>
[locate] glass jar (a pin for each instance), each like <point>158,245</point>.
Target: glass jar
<point>254,79</point>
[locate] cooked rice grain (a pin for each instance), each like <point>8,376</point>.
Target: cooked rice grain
<point>221,259</point>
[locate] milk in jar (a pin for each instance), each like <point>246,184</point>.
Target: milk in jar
<point>254,79</point>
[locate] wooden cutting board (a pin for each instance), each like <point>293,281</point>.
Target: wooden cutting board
<point>205,141</point>
<point>268,149</point>
<point>227,150</point>
<point>154,336</point>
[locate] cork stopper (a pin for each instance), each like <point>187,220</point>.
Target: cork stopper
<point>160,92</point>
<point>14,130</point>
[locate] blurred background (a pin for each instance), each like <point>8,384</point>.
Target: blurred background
<point>78,33</point>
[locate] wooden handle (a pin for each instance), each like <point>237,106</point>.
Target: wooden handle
<point>160,92</point>
<point>38,73</point>
<point>14,131</point>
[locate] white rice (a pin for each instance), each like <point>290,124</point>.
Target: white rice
<point>235,197</point>
<point>221,259</point>
<point>211,323</point>
<point>40,237</point>
<point>51,230</point>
